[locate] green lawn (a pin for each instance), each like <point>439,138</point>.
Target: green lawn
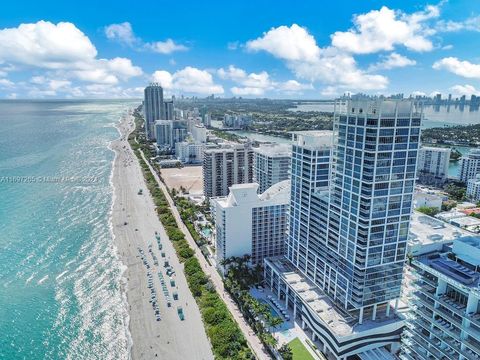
<point>299,350</point>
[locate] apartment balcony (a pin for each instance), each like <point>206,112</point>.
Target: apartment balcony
<point>451,304</point>
<point>425,343</point>
<point>441,351</point>
<point>474,318</point>
<point>449,315</point>
<point>473,345</point>
<point>448,328</point>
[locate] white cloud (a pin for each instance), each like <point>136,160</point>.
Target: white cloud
<point>121,32</point>
<point>293,86</point>
<point>165,47</point>
<point>12,96</point>
<point>5,83</point>
<point>466,89</point>
<point>465,69</point>
<point>232,73</point>
<point>164,78</point>
<point>257,84</point>
<point>382,30</point>
<point>63,49</point>
<point>392,60</point>
<point>45,45</point>
<point>245,91</point>
<point>292,43</point>
<point>309,62</point>
<point>188,80</point>
<point>470,24</point>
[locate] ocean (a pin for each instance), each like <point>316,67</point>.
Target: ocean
<point>61,285</point>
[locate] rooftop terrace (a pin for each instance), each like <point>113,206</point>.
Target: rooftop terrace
<point>338,320</point>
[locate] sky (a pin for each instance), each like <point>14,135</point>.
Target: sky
<point>276,49</point>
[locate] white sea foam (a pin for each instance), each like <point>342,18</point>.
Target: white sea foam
<point>42,280</point>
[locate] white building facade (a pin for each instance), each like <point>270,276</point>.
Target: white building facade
<point>432,167</point>
<point>271,164</point>
<point>473,188</point>
<point>251,224</point>
<point>189,152</point>
<point>470,165</point>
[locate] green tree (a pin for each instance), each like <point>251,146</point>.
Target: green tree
<point>428,210</point>
<point>285,352</point>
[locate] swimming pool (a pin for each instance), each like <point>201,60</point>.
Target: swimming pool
<point>272,310</point>
<point>206,232</point>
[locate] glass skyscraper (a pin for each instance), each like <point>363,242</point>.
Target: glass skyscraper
<point>349,223</point>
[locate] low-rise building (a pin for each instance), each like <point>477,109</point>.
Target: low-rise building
<point>189,152</point>
<point>248,223</point>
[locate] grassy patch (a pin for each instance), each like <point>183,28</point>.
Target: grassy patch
<point>300,352</point>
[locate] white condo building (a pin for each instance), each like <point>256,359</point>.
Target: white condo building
<point>444,302</point>
<point>470,165</point>
<point>432,167</point>
<point>225,167</point>
<point>189,152</point>
<point>199,133</point>
<point>253,224</point>
<point>473,188</point>
<point>271,164</point>
<point>348,228</point>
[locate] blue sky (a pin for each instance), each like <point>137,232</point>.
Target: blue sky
<point>278,49</point>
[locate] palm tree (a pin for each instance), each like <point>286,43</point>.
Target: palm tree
<point>286,352</point>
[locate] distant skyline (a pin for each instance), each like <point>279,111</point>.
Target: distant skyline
<point>305,49</point>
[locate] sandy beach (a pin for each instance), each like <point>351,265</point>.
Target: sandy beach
<point>134,224</point>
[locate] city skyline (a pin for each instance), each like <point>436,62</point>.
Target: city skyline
<point>309,51</point>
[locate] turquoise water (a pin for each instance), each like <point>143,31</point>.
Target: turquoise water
<point>60,279</point>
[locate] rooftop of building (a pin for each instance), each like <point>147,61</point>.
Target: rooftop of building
<point>339,321</point>
<point>274,150</point>
<point>313,139</point>
<point>426,230</point>
<point>437,149</point>
<point>376,108</point>
<point>247,193</point>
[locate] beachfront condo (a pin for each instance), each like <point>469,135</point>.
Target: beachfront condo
<point>348,227</point>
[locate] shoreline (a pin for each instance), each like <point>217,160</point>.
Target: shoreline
<point>134,222</point>
<point>123,266</point>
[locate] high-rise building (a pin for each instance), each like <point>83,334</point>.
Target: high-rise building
<point>163,133</point>
<point>444,301</point>
<point>432,167</point>
<point>470,165</point>
<point>169,110</point>
<point>347,237</point>
<point>153,108</point>
<point>271,164</point>
<point>262,229</point>
<point>225,167</point>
